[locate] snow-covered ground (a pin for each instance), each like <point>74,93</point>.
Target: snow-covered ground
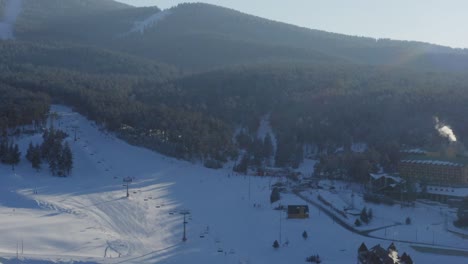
<point>430,222</point>
<point>87,218</point>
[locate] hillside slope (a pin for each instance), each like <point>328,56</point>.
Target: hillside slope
<point>200,37</point>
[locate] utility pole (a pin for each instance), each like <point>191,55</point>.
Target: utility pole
<point>185,212</point>
<point>280,228</point>
<point>249,186</point>
<point>127,181</point>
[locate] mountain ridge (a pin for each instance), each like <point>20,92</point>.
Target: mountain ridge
<point>193,35</point>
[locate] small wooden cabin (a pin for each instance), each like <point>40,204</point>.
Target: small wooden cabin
<point>298,211</point>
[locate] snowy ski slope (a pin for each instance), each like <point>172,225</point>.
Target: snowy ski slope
<point>86,218</point>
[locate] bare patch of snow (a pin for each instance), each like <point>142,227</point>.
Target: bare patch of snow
<point>264,129</point>
<point>141,26</point>
<point>12,10</point>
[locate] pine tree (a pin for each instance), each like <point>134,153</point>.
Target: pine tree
<point>257,150</point>
<point>282,154</point>
<point>3,151</point>
<point>53,166</point>
<point>243,164</point>
<point>29,152</point>
<point>45,145</point>
<point>12,156</point>
<point>298,157</point>
<point>408,221</point>
<point>364,217</point>
<point>276,244</point>
<point>8,157</point>
<point>370,214</point>
<point>357,222</point>
<point>15,156</point>
<point>36,158</point>
<point>275,195</point>
<point>304,234</point>
<point>67,158</point>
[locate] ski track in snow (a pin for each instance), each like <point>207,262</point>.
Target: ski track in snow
<point>87,218</point>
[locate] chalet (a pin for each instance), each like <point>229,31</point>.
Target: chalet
<point>298,211</point>
<point>383,182</point>
<point>380,255</point>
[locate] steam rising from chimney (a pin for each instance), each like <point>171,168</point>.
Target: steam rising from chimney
<point>445,131</point>
<point>11,12</point>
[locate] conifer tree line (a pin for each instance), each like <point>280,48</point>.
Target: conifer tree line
<point>193,116</point>
<point>9,153</point>
<point>54,151</point>
<point>258,152</point>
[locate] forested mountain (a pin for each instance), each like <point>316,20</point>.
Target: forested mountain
<point>82,59</point>
<point>19,107</point>
<point>182,80</point>
<point>200,37</point>
<point>330,104</point>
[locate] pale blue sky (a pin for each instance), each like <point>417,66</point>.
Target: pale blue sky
<point>442,22</point>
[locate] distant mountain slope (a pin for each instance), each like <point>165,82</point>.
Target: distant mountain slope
<point>207,20</point>
<point>36,16</point>
<point>109,61</point>
<point>200,37</point>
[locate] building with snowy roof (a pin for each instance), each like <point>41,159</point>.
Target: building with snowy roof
<point>384,180</point>
<point>385,184</point>
<point>298,211</point>
<point>449,195</point>
<point>434,171</point>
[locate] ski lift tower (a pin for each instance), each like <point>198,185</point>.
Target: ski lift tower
<point>127,181</point>
<point>185,212</point>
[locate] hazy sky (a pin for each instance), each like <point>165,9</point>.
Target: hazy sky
<point>442,22</point>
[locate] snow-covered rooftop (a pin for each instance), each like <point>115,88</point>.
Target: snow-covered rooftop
<point>458,192</point>
<point>377,176</point>
<point>414,151</point>
<point>433,162</point>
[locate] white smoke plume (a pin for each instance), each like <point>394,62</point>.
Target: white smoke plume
<point>11,12</point>
<point>445,131</point>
